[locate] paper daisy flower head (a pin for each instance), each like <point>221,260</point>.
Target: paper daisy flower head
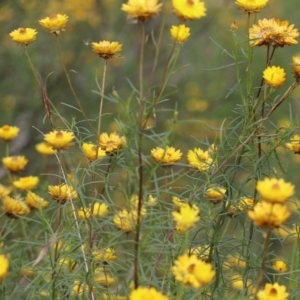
<point>279,266</point>
<point>4,266</point>
<point>8,133</point>
<point>91,151</point>
<point>273,32</point>
<point>126,220</point>
<point>146,293</point>
<point>294,144</point>
<point>275,190</point>
<point>15,164</point>
<point>44,149</point>
<point>5,191</point>
<point>169,155</point>
<point>99,210</point>
<point>104,255</point>
<point>186,218</point>
<point>35,202</point>
<point>215,194</point>
<point>14,208</point>
<point>106,49</point>
<point>273,292</point>
<point>274,76</point>
<point>296,67</point>
<point>199,159</point>
<point>251,6</point>
<point>23,36</point>
<point>189,9</point>
<point>180,33</point>
<point>26,183</point>
<point>62,193</point>
<point>102,277</point>
<point>269,215</point>
<point>55,23</point>
<point>111,142</point>
<point>59,139</point>
<point>141,9</point>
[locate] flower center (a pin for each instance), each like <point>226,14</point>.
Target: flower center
<point>191,268</point>
<point>275,186</point>
<point>190,2</point>
<point>273,292</point>
<point>22,30</point>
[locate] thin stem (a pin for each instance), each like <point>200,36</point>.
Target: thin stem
<point>141,71</point>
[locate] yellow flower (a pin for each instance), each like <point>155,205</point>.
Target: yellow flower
<point>215,194</point>
<point>23,36</point>
<point>238,283</point>
<point>112,142</point>
<point>237,262</point>
<point>144,293</point>
<point>186,218</point>
<point>14,208</point>
<point>84,213</point>
<point>26,183</point>
<point>62,193</point>
<point>189,9</point>
<point>199,159</point>
<point>79,288</point>
<point>104,255</point>
<point>60,139</point>
<point>296,67</point>
<point>152,201</point>
<point>44,149</point>
<point>294,145</point>
<point>102,277</point>
<point>35,202</point>
<point>106,49</point>
<point>55,23</point>
<point>180,33</point>
<point>166,156</point>
<point>269,215</point>
<point>274,190</point>
<point>90,151</point>
<point>273,292</point>
<point>273,32</point>
<point>251,6</point>
<point>27,272</point>
<point>274,76</point>
<point>15,163</point>
<point>280,266</point>
<point>142,9</point>
<point>125,220</point>
<point>244,203</point>
<point>4,191</point>
<point>4,266</point>
<point>192,271</point>
<point>8,133</point>
<point>99,210</point>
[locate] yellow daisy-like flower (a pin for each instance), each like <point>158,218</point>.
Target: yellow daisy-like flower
<point>274,76</point>
<point>269,215</point>
<point>251,6</point>
<point>90,151</point>
<point>15,164</point>
<point>99,210</point>
<point>44,149</point>
<point>55,23</point>
<point>273,32</point>
<point>273,292</point>
<point>8,133</point>
<point>84,213</point>
<point>274,190</point>
<point>296,67</point>
<point>143,293</point>
<point>111,143</point>
<point>294,144</point>
<point>14,208</point>
<point>104,255</point>
<point>237,262</point>
<point>215,194</point>
<point>26,183</point>
<point>189,9</point>
<point>62,193</point>
<point>23,36</point>
<point>192,271</point>
<point>125,220</point>
<point>79,289</point>
<point>244,203</point>
<point>142,9</point>
<point>106,49</point>
<point>4,266</point>
<point>186,218</point>
<point>238,283</point>
<point>59,140</point>
<point>199,159</point>
<point>166,156</point>
<point>280,266</point>
<point>35,202</point>
<point>102,277</point>
<point>4,191</point>
<point>180,33</point>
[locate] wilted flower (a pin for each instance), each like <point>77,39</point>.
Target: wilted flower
<point>23,36</point>
<point>274,76</point>
<point>294,144</point>
<point>189,9</point>
<point>106,49</point>
<point>62,193</point>
<point>111,143</point>
<point>273,292</point>
<point>59,140</point>
<point>55,23</point>
<point>180,33</point>
<point>251,6</point>
<point>91,151</point>
<point>169,155</point>
<point>15,164</point>
<point>146,293</point>
<point>142,9</point>
<point>14,208</point>
<point>8,133</point>
<point>26,183</point>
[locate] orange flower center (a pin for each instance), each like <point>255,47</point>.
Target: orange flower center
<point>53,17</point>
<point>59,134</point>
<point>191,268</point>
<point>190,2</point>
<point>6,127</point>
<point>22,30</point>
<point>276,186</point>
<point>273,292</point>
